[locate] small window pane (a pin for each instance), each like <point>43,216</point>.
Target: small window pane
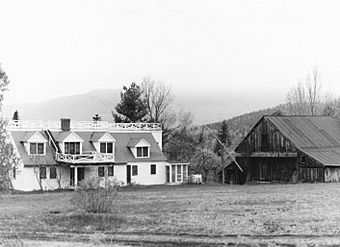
<point>33,148</point>
<point>134,170</point>
<point>185,175</point>
<point>101,171</point>
<point>67,148</point>
<point>110,171</point>
<point>139,152</point>
<point>153,169</point>
<point>145,151</point>
<point>77,144</point>
<point>53,172</point>
<point>103,148</point>
<point>109,147</point>
<point>40,148</point>
<point>42,172</point>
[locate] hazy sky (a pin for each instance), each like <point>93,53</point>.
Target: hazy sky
<point>260,48</point>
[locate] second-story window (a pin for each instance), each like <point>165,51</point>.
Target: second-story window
<point>37,148</point>
<point>142,152</point>
<point>72,147</point>
<point>106,147</point>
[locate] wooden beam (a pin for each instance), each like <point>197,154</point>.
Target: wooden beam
<point>271,154</point>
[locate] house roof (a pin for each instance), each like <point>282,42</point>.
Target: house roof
<point>96,136</point>
<point>29,160</point>
<point>317,136</point>
<point>135,141</point>
<point>123,153</point>
<point>60,136</point>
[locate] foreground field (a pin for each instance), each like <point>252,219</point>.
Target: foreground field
<point>302,214</point>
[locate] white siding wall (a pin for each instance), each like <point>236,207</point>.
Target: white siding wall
<point>26,179</point>
<point>144,173</point>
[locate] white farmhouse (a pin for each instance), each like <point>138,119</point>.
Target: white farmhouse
<point>60,154</point>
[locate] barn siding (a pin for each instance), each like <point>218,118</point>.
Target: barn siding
<point>265,139</point>
<point>332,174</point>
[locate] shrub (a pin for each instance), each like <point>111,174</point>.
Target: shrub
<point>94,198</point>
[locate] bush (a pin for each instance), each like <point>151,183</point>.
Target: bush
<point>94,198</point>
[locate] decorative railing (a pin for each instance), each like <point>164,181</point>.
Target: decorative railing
<point>82,125</point>
<point>91,157</point>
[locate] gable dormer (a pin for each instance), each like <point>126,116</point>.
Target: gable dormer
<point>35,143</point>
<point>70,143</point>
<point>104,143</point>
<point>139,147</point>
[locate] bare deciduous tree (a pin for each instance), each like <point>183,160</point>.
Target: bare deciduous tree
<point>158,99</point>
<point>305,98</point>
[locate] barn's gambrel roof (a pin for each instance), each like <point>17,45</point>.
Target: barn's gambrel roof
<point>316,136</point>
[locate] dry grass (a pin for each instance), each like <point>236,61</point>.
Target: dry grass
<point>251,211</point>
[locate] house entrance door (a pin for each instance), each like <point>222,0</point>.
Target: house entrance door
<point>81,173</point>
<point>128,174</point>
<point>72,176</point>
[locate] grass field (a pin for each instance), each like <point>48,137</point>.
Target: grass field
<point>248,215</point>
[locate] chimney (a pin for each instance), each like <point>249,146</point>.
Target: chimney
<point>65,124</point>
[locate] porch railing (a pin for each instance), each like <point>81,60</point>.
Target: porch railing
<point>85,158</point>
<point>81,125</point>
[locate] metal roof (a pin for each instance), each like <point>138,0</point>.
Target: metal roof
<point>317,136</point>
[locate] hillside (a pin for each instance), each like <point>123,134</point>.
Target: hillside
<point>208,107</point>
<point>239,126</point>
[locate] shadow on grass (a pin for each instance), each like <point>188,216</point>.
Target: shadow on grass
<point>86,222</point>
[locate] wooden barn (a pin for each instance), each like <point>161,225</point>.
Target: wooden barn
<point>288,149</point>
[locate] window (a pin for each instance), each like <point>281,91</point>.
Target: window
<point>142,152</point>
<point>72,147</point>
<point>179,173</point>
<point>134,170</point>
<point>173,173</point>
<point>53,172</point>
<point>101,172</point>
<point>110,171</point>
<point>153,169</point>
<point>42,172</point>
<point>106,147</point>
<point>185,175</point>
<point>37,148</point>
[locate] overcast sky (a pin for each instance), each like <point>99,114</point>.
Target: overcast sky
<point>262,48</point>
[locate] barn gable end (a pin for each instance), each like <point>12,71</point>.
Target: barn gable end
<point>291,149</point>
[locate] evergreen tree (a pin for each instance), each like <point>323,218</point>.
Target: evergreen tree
<point>16,115</point>
<point>132,106</point>
<point>97,118</point>
<point>224,136</point>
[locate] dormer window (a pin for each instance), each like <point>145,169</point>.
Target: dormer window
<point>139,147</point>
<point>106,147</point>
<point>142,152</point>
<point>72,147</point>
<point>37,148</point>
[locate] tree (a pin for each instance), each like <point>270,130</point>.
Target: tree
<point>224,137</point>
<point>132,106</point>
<point>97,118</point>
<point>305,99</point>
<point>158,98</point>
<point>8,158</point>
<point>15,115</point>
<point>204,160</point>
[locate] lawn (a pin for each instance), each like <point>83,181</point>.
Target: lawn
<point>300,214</point>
